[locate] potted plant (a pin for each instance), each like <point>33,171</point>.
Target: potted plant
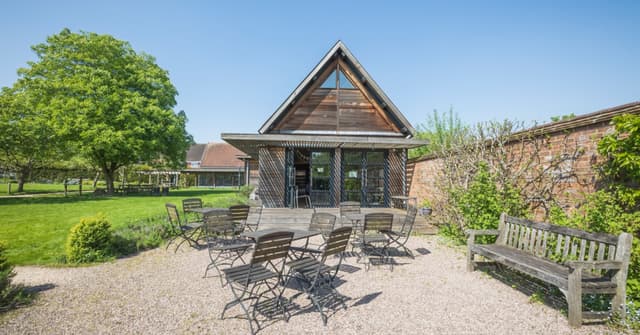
<point>426,208</point>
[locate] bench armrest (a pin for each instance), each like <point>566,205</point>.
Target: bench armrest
<point>480,232</point>
<point>594,265</point>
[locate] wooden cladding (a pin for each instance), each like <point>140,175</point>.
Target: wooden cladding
<point>397,163</point>
<point>337,109</point>
<point>272,176</point>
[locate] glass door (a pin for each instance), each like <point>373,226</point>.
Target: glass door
<point>321,162</point>
<point>364,175</point>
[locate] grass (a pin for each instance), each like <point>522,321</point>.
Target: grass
<point>35,229</point>
<point>37,188</point>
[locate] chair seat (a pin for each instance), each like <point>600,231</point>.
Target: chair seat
<point>308,266</point>
<point>393,233</point>
<point>373,238</point>
<point>248,274</point>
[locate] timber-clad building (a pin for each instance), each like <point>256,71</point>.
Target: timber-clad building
<point>337,137</point>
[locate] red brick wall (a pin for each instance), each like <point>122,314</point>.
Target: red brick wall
<point>576,178</point>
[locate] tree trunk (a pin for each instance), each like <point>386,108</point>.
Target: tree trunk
<point>108,178</point>
<point>95,180</point>
<point>21,179</point>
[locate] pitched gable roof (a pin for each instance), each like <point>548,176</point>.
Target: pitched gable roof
<point>221,155</point>
<point>391,118</point>
<point>195,152</point>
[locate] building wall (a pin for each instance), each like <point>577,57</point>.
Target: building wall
<point>575,177</point>
<point>271,167</point>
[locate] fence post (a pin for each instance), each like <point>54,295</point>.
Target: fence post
<point>80,186</point>
<point>9,188</point>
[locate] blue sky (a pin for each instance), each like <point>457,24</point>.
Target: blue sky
<point>234,62</point>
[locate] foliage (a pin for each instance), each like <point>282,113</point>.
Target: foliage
<point>141,235</point>
<point>27,139</point>
<point>443,131</point>
<point>245,191</point>
<point>563,117</point>
<point>482,202</point>
<point>621,170</point>
<point>10,295</point>
<point>113,105</point>
<point>90,240</point>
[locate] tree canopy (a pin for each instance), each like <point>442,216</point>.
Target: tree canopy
<point>113,106</point>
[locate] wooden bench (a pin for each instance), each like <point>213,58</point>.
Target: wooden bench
<point>575,261</point>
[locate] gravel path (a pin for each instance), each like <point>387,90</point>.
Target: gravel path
<point>159,292</point>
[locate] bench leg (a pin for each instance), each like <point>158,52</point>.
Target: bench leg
<point>618,301</point>
<point>470,263</point>
<point>574,298</point>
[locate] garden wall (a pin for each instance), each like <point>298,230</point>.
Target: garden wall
<point>574,141</point>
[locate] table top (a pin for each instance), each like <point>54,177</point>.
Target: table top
<point>402,197</point>
<point>297,233</point>
<point>355,216</point>
<point>205,210</point>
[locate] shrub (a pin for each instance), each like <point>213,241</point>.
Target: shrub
<point>10,295</point>
<point>141,235</point>
<point>245,191</point>
<point>90,240</point>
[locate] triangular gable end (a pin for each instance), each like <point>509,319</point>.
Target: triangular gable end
<point>338,97</point>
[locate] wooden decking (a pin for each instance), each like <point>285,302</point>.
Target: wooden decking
<point>299,218</point>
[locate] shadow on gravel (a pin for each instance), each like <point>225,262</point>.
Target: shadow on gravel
<point>423,251</point>
<point>367,299</point>
<point>538,291</point>
<point>39,288</point>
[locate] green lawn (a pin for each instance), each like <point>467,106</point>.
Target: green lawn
<point>35,188</point>
<point>35,229</point>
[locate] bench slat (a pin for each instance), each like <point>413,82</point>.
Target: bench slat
<point>567,242</point>
<point>600,237</point>
<point>583,249</point>
<point>559,239</point>
<point>601,248</point>
<point>612,252</point>
<point>592,250</point>
<point>544,244</point>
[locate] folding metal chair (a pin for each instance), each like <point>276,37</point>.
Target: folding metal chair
<point>401,237</point>
<point>224,247</point>
<point>372,242</point>
<point>350,207</point>
<point>317,277</point>
<point>186,231</point>
<point>322,222</point>
<point>264,270</point>
<point>189,204</point>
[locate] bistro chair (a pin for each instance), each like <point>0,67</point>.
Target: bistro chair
<point>348,208</point>
<point>317,277</point>
<point>256,286</point>
<point>322,222</point>
<point>400,237</point>
<point>223,244</point>
<point>372,242</point>
<point>239,215</point>
<point>186,231</point>
<point>189,204</point>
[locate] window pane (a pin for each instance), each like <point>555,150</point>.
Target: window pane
<point>345,82</point>
<point>330,82</point>
<point>375,157</point>
<point>353,157</point>
<point>320,157</point>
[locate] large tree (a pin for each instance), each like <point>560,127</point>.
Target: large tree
<point>115,106</point>
<point>27,139</point>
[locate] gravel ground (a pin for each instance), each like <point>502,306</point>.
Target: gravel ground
<point>159,292</point>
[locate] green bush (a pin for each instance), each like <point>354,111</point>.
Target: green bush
<point>245,191</point>
<point>10,295</point>
<point>90,240</point>
<point>482,203</point>
<point>141,235</point>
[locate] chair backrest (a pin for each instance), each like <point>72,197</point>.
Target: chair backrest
<point>349,207</point>
<point>191,203</point>
<point>409,220</point>
<point>337,241</point>
<point>271,247</point>
<point>378,221</point>
<point>323,222</point>
<point>172,213</point>
<point>217,222</point>
<point>239,212</point>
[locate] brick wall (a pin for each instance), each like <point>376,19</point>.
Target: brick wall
<point>576,139</point>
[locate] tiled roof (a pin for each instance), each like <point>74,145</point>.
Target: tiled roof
<point>195,152</point>
<point>219,155</point>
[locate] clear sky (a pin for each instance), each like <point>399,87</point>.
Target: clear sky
<point>234,62</point>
